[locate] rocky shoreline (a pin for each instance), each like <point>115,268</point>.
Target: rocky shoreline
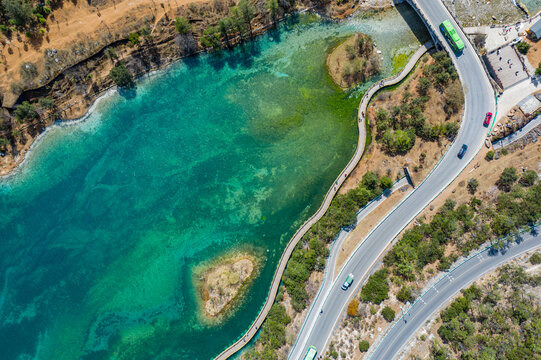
<point>222,282</point>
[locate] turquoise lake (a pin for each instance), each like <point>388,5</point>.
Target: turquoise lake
<point>101,227</point>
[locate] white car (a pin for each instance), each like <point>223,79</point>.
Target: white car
<point>516,40</point>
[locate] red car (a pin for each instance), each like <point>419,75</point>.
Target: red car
<point>488,117</point>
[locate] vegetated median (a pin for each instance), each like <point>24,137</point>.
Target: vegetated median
<point>433,245</point>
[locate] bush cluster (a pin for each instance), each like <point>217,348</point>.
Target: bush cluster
<point>493,322</point>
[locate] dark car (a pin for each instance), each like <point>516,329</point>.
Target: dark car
<point>462,151</point>
<point>488,118</point>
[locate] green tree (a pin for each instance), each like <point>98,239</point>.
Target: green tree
<point>122,76</point>
<point>473,184</point>
<point>507,179</point>
<point>423,85</point>
<point>490,155</point>
<point>19,12</point>
<point>225,25</point>
<point>247,11</point>
<point>182,25</point>
<point>523,47</point>
<point>388,313</point>
<point>364,346</point>
<point>25,111</point>
<point>272,7</point>
<point>211,38</point>
<point>376,288</point>
<point>46,103</point>
<point>454,98</point>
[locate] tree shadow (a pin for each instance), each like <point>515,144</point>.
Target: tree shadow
<point>128,93</point>
<point>415,23</point>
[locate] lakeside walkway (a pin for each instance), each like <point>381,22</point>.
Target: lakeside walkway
<point>256,324</point>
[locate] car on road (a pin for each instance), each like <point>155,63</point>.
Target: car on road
<point>348,282</point>
<point>311,353</point>
<point>462,151</point>
<point>488,118</point>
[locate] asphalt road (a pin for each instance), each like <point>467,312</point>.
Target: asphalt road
<point>447,287</point>
<point>479,99</point>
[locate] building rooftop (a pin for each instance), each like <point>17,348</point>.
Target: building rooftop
<point>535,29</point>
<point>529,104</point>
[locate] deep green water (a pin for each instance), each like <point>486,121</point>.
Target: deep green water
<point>101,227</point>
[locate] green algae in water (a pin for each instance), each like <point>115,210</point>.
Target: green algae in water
<point>103,224</point>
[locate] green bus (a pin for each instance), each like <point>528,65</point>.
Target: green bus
<point>311,353</point>
<point>452,36</point>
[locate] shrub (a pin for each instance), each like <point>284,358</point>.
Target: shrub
<point>111,53</point>
<point>386,182</point>
<point>25,111</point>
<point>28,70</point>
<point>523,47</point>
<point>4,142</point>
<point>134,38</point>
<point>122,76</point>
<point>490,155</point>
<point>535,259</point>
<point>473,184</point>
<point>376,288</point>
<point>507,179</point>
<point>364,346</point>
<point>182,25</point>
<point>404,294</point>
<point>528,178</point>
<point>388,314</point>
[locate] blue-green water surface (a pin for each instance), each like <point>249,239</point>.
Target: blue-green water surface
<point>101,228</point>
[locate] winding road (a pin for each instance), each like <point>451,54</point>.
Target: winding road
<point>479,99</point>
<point>256,324</point>
<point>446,288</point>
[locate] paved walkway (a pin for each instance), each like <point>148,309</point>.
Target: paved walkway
<point>514,94</point>
<point>242,341</point>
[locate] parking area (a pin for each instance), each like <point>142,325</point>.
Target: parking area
<point>506,66</point>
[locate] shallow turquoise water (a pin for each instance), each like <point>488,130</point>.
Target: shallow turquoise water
<point>533,5</point>
<point>102,227</point>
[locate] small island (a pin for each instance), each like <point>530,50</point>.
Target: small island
<point>222,281</point>
<point>353,61</point>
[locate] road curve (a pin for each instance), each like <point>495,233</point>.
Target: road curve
<point>479,99</point>
<point>446,288</point>
<point>256,324</point>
